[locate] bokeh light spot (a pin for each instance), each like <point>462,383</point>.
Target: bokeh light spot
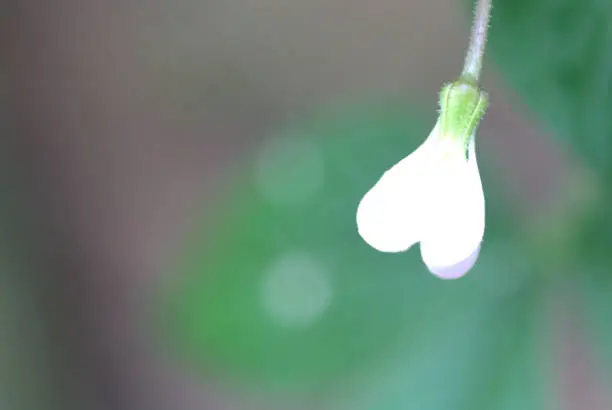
<point>296,290</point>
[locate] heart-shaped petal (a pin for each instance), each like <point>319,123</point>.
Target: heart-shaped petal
<point>451,241</point>
<point>390,215</point>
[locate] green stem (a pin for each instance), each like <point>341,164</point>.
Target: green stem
<point>478,39</point>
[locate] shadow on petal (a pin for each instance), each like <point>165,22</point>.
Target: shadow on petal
<point>454,271</point>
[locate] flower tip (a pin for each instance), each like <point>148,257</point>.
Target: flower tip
<point>454,271</point>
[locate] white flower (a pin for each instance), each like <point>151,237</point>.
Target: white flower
<point>433,196</point>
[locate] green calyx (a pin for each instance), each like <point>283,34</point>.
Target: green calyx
<point>462,106</point>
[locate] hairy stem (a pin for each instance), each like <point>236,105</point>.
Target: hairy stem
<point>478,39</point>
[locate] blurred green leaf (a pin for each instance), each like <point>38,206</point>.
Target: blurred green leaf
<point>597,297</point>
<point>557,54</point>
<point>588,271</point>
<point>479,359</point>
<point>283,292</point>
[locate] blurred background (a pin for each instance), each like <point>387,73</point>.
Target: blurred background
<point>179,187</point>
